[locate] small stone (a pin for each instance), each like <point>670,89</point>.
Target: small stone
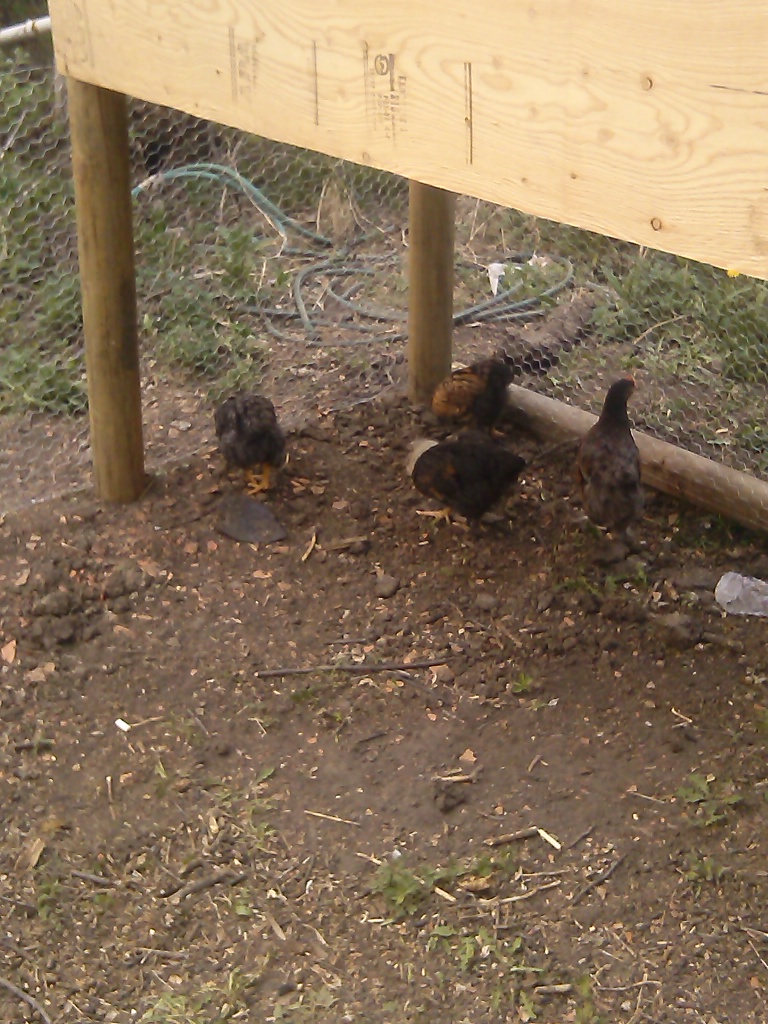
<point>443,674</point>
<point>359,547</point>
<point>386,585</point>
<point>677,630</point>
<point>486,602</point>
<point>63,630</point>
<point>611,553</point>
<point>545,601</point>
<point>58,602</point>
<point>448,795</point>
<point>696,578</point>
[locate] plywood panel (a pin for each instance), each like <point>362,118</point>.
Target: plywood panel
<point>647,121</point>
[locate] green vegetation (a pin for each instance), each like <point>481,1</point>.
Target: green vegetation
<point>707,799</point>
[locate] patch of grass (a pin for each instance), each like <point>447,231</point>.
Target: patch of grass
<point>212,1003</point>
<point>48,894</point>
<point>522,683</point>
<point>707,800</point>
<point>702,871</point>
<point>306,1008</point>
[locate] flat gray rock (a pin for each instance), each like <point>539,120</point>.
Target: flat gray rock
<point>250,521</point>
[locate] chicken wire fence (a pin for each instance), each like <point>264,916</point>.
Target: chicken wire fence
<point>266,266</point>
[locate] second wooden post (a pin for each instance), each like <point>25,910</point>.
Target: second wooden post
<point>430,301</point>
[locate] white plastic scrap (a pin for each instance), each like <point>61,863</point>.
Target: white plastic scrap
<point>742,595</point>
<point>495,272</point>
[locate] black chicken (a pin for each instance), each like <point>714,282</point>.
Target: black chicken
<point>475,394</point>
<point>250,437</point>
<point>468,473</point>
<point>608,465</point>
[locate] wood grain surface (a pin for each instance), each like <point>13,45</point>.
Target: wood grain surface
<point>646,121</point>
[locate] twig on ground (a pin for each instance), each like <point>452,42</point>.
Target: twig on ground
<point>598,880</point>
<point>86,876</point>
<point>217,878</point>
<point>579,837</point>
<point>511,837</point>
<point>369,739</point>
<point>332,817</point>
<point>495,901</point>
<point>525,833</point>
<point>552,990</point>
<point>392,666</point>
<point>311,545</point>
<point>26,997</point>
<point>645,796</point>
<point>345,542</point>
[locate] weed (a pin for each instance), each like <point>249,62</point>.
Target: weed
<point>305,1009</point>
<point>522,684</point>
<point>48,898</point>
<point>403,890</point>
<point>702,871</point>
<point>710,803</point>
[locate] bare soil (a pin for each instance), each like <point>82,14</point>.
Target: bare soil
<point>232,790</point>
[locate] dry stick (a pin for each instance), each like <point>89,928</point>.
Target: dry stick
<point>108,883</point>
<point>511,837</point>
<point>579,837</point>
<point>602,877</point>
<point>21,994</point>
<point>393,666</point>
<point>495,900</point>
<point>332,817</point>
<point>204,883</point>
<point>552,990</point>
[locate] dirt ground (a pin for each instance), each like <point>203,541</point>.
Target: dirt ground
<point>383,769</point>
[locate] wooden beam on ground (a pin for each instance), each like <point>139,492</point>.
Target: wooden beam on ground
<point>665,467</point>
<point>99,130</point>
<point>430,297</point>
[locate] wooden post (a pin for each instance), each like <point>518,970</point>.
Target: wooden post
<point>430,301</point>
<point>665,467</point>
<point>99,129</point>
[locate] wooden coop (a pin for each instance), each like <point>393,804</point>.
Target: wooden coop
<point>641,121</point>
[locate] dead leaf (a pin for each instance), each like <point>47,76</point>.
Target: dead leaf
<point>468,756</point>
<point>22,578</point>
<point>475,883</point>
<point>39,674</point>
<point>150,568</point>
<point>31,854</point>
<point>8,652</point>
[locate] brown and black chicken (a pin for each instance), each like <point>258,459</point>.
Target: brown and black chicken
<point>250,438</point>
<point>608,466</point>
<point>475,394</point>
<point>468,473</point>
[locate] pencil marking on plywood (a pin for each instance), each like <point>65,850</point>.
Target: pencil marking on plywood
<point>80,49</point>
<point>735,88</point>
<point>385,94</point>
<point>468,112</point>
<point>315,82</point>
<point>243,66</point>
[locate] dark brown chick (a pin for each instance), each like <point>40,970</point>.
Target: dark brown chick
<point>608,465</point>
<point>468,473</point>
<point>475,394</point>
<point>250,437</point>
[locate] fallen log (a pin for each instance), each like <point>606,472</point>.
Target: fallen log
<point>665,467</point>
